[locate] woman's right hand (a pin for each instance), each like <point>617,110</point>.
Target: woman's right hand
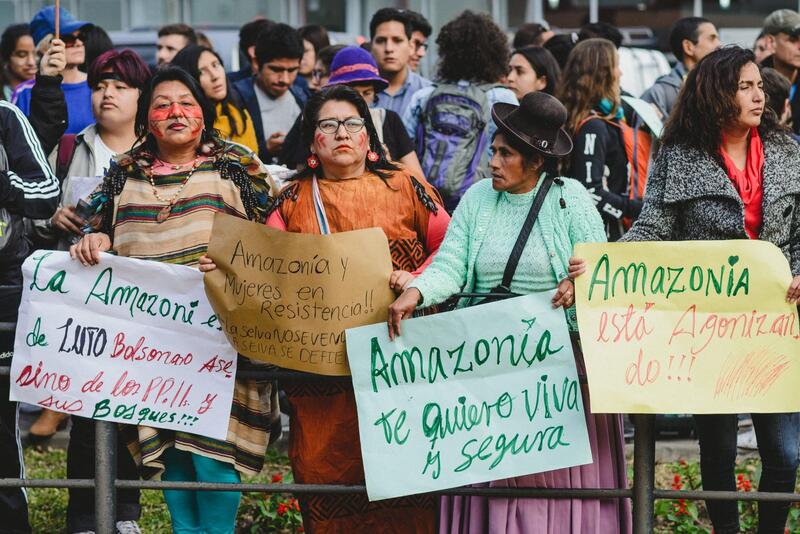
<point>402,308</point>
<point>54,61</point>
<point>88,249</point>
<point>66,220</point>
<point>206,264</point>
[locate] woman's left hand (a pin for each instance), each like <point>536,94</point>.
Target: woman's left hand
<point>206,264</point>
<point>399,280</point>
<point>793,293</point>
<point>565,294</point>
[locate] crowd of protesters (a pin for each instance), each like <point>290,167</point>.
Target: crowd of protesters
<point>483,179</point>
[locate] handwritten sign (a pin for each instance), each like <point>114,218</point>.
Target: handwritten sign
<point>688,327</point>
<point>126,340</point>
<point>469,396</point>
<point>287,298</point>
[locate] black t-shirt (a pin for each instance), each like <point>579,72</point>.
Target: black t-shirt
<point>395,138</point>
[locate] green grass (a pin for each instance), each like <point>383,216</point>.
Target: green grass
<point>48,507</point>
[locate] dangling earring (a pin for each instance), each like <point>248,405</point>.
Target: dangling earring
<point>312,161</point>
<point>373,156</point>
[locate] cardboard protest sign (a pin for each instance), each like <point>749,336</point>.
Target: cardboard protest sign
<point>688,327</point>
<point>468,396</point>
<point>287,298</point>
<point>126,340</point>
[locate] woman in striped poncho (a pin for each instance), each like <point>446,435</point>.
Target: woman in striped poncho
<point>158,203</point>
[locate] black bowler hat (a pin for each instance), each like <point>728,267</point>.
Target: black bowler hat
<point>538,122</point>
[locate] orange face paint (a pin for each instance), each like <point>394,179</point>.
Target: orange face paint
<point>162,118</point>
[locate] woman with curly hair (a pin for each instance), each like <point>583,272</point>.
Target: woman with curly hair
<point>726,170</point>
<point>590,91</point>
<point>157,202</point>
<point>473,59</point>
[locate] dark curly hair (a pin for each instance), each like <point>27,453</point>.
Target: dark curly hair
<point>343,93</point>
<point>707,105</point>
<point>473,48</point>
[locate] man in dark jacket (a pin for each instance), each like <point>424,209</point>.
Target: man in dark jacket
<point>691,39</point>
<point>271,96</point>
<point>782,30</point>
<point>28,188</point>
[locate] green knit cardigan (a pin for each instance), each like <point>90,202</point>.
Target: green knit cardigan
<point>453,268</point>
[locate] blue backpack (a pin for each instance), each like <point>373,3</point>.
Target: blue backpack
<point>452,137</point>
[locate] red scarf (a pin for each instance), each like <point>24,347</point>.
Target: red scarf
<point>748,182</point>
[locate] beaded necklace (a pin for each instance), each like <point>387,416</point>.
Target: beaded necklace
<point>164,213</point>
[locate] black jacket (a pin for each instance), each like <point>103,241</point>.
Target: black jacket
<point>599,162</point>
<point>28,187</point>
<point>48,111</point>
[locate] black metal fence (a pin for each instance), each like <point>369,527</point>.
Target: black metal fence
<point>643,492</point>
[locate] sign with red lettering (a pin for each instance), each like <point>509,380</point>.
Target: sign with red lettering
<point>126,340</point>
<point>688,327</point>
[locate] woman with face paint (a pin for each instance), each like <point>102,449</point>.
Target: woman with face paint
<point>233,121</point>
<point>348,184</point>
<point>158,202</point>
<point>116,79</point>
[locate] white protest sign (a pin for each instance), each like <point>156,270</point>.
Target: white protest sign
<point>126,340</point>
<point>474,395</point>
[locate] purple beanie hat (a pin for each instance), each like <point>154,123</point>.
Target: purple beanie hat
<point>353,64</point>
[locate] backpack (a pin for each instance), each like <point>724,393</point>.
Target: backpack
<point>638,144</point>
<point>452,137</point>
<point>66,151</point>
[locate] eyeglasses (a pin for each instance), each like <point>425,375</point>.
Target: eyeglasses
<point>420,45</point>
<point>351,124</point>
<point>71,39</point>
<point>318,74</point>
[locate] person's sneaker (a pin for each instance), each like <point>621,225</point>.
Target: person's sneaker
<point>128,527</point>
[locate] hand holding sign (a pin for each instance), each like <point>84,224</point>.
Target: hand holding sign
<point>287,298</point>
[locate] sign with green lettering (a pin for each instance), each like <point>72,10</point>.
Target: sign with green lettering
<point>468,396</point>
<point>125,340</point>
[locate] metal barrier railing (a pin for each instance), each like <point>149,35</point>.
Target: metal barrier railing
<point>642,493</point>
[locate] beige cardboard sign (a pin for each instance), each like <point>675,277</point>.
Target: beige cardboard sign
<point>287,298</point>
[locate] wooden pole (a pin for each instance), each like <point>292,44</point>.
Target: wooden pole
<point>58,19</point>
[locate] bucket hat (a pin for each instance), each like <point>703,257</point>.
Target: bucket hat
<point>353,64</point>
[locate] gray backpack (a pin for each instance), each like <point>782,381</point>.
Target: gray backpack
<point>452,137</point>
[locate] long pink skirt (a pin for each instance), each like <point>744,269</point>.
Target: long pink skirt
<point>481,515</point>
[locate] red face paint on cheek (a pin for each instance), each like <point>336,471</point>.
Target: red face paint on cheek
<point>362,140</point>
<point>321,140</point>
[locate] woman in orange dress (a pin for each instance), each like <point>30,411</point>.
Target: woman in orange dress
<point>349,185</point>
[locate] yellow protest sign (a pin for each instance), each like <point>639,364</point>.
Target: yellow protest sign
<point>287,298</point>
<point>688,327</point>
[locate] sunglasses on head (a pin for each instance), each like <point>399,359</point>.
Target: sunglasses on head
<point>71,38</point>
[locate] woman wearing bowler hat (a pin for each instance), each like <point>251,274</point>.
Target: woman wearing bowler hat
<point>473,257</point>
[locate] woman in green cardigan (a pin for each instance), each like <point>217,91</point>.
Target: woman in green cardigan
<point>473,258</point>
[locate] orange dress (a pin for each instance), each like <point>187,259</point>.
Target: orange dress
<point>324,447</point>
